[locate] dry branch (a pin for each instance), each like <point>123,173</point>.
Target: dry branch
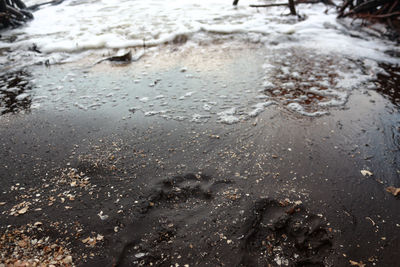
<point>37,6</point>
<point>369,7</point>
<point>270,5</point>
<point>291,2</point>
<point>384,11</point>
<point>292,8</point>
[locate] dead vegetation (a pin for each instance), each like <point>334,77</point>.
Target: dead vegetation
<point>383,11</point>
<point>13,13</point>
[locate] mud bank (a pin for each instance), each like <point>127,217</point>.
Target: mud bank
<point>114,185</point>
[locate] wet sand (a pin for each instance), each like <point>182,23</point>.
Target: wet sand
<point>280,189</point>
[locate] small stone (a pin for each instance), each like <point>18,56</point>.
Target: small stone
<point>140,255</point>
<point>68,260</point>
<point>23,210</point>
<point>102,217</point>
<point>22,243</point>
<point>298,202</point>
<point>395,191</point>
<point>366,173</point>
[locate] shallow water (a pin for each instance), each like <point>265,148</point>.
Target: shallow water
<point>311,64</point>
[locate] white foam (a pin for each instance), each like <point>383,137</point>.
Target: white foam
<point>80,106</point>
<point>112,25</point>
<point>228,116</point>
<point>199,118</point>
<point>179,118</point>
<point>13,90</point>
<point>22,97</point>
<point>151,113</point>
<point>188,94</point>
<point>299,109</point>
<point>206,107</point>
<point>260,107</point>
<point>40,98</point>
<point>228,119</point>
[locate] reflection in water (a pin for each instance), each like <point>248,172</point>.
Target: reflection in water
<point>389,87</point>
<point>15,92</point>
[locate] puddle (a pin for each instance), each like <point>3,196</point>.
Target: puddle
<point>210,87</point>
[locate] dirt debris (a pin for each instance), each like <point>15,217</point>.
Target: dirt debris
<point>23,247</point>
<point>393,190</point>
<point>355,263</point>
<point>366,173</point>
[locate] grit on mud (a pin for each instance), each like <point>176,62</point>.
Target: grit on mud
<point>116,184</point>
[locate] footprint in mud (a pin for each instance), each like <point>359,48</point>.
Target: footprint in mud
<point>179,189</point>
<point>165,218</point>
<point>283,234</point>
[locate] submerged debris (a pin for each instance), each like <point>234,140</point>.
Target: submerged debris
<point>123,59</point>
<point>354,263</point>
<point>14,92</point>
<point>393,190</point>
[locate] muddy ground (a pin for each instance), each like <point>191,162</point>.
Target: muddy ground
<point>113,187</point>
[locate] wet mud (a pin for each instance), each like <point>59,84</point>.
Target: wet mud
<point>108,187</point>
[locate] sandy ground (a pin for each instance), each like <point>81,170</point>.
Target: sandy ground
<point>112,187</point>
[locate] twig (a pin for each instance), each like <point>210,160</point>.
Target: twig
<point>385,15</point>
<point>270,5</point>
<point>371,16</point>
<point>369,218</point>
